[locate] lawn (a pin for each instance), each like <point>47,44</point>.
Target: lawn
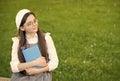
<point>85,33</point>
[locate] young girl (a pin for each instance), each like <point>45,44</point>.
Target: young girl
<point>28,36</point>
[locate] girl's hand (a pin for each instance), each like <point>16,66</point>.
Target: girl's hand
<point>40,61</point>
<point>32,71</point>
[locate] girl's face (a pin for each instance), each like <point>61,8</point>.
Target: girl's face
<point>31,25</point>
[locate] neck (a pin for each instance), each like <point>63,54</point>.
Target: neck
<point>30,35</point>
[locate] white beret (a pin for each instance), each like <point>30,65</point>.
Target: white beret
<point>19,16</point>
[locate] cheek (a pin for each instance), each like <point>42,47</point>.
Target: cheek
<point>27,30</point>
<point>31,30</point>
<point>37,25</point>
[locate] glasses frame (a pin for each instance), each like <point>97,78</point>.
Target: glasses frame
<point>31,23</point>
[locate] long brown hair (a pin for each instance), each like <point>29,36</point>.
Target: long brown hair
<point>23,41</point>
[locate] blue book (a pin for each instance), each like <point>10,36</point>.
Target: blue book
<point>31,54</point>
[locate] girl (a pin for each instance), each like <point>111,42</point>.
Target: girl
<point>28,36</point>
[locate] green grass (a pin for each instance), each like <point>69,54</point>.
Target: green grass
<point>85,32</point>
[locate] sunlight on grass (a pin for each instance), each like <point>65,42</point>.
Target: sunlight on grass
<point>85,32</point>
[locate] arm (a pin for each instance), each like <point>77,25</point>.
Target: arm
<point>38,62</point>
<point>32,71</point>
<point>14,56</point>
<point>53,63</point>
<point>15,64</point>
<point>23,66</point>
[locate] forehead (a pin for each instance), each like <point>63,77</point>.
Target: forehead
<point>30,18</point>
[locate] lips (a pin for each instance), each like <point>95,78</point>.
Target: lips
<point>35,29</point>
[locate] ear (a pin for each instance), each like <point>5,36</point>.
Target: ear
<point>22,28</point>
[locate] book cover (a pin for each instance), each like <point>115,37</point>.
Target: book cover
<point>31,54</point>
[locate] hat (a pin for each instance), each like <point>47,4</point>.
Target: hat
<point>19,16</point>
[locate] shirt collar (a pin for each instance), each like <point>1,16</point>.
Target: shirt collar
<point>32,39</point>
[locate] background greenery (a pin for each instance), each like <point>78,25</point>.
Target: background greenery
<point>86,34</point>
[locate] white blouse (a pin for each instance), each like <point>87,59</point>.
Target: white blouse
<point>52,64</point>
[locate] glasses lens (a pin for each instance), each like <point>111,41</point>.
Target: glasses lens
<point>31,23</point>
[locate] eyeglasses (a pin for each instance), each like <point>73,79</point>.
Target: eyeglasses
<point>31,23</point>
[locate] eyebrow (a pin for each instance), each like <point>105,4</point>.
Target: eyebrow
<point>30,21</point>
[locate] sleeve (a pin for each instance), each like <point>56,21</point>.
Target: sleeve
<point>14,55</point>
<point>53,63</point>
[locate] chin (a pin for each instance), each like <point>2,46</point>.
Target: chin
<point>35,30</point>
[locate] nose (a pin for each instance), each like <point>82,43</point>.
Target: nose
<point>33,24</point>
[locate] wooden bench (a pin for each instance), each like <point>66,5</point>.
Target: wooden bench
<point>4,79</point>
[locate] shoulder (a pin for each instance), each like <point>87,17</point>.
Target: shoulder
<point>47,36</point>
<point>15,39</point>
